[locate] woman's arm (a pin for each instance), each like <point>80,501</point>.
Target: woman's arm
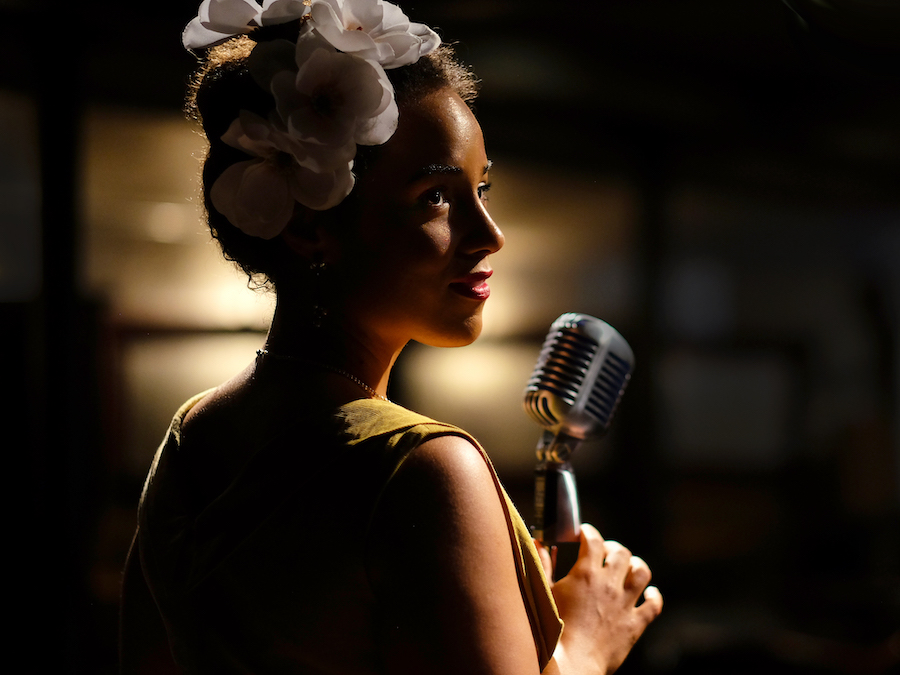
<point>143,642</point>
<point>442,568</point>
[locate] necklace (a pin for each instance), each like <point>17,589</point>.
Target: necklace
<point>358,382</point>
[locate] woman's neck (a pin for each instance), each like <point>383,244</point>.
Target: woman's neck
<point>332,344</point>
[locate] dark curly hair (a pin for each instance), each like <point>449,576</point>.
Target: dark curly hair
<point>222,87</point>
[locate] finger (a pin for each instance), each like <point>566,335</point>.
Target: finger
<point>546,560</point>
<point>616,557</point>
<point>590,534</point>
<point>652,605</point>
<point>638,576</point>
<point>592,546</point>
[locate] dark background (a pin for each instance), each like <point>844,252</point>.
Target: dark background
<point>787,114</point>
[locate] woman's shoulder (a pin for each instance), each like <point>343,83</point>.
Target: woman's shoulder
<point>365,418</point>
<point>451,467</point>
<point>248,411</point>
<point>443,470</point>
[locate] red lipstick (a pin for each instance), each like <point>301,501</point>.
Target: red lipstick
<point>473,285</point>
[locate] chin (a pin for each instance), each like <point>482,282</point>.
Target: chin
<point>459,335</point>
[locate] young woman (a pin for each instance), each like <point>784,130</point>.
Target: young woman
<point>294,519</point>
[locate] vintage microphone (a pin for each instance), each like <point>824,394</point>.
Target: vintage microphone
<point>580,375</point>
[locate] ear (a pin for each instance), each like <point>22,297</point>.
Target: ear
<point>307,235</point>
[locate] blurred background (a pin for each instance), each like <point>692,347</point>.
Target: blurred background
<point>717,179</point>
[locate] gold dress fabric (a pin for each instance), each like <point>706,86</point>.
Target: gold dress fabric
<point>269,577</point>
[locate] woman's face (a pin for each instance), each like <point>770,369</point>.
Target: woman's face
<point>415,264</point>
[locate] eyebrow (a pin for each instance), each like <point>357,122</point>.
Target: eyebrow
<point>445,169</point>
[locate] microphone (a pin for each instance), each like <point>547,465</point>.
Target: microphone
<point>582,370</point>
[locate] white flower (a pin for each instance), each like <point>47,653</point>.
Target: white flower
<point>258,195</point>
<point>331,94</point>
<point>218,20</point>
<point>259,137</point>
<point>372,29</point>
<point>335,100</point>
<point>330,102</point>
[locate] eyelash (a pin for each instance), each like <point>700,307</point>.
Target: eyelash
<point>436,196</point>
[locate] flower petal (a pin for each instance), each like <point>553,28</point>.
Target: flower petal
<point>269,58</point>
<point>352,15</point>
<point>421,41</point>
<point>255,196</point>
<point>372,30</point>
<point>282,11</point>
<point>321,191</point>
<point>337,93</point>
<point>366,14</point>
<point>378,130</point>
<point>226,15</point>
<point>287,98</point>
<point>343,29</point>
<point>195,36</point>
<point>250,133</point>
<point>393,18</point>
<point>351,42</point>
<point>218,20</point>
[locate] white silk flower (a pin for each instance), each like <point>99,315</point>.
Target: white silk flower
<point>335,100</point>
<point>374,30</point>
<point>331,94</point>
<point>219,20</point>
<point>258,195</point>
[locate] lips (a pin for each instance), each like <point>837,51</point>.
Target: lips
<point>473,285</point>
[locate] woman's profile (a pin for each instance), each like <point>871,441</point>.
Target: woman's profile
<point>295,520</point>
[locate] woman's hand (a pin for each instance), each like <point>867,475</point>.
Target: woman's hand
<point>598,600</point>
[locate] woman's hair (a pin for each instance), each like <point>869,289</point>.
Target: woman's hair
<point>222,86</point>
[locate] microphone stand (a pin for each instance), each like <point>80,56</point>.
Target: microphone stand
<point>556,510</point>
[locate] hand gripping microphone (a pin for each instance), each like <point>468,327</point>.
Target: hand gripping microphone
<point>580,375</point>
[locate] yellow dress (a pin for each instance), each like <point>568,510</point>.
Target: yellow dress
<point>262,579</point>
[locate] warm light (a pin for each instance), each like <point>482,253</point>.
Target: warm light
<point>170,223</point>
<point>149,252</point>
<point>479,388</point>
<point>161,373</point>
<point>151,257</point>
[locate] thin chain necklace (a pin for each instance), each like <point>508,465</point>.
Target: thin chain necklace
<point>358,382</point>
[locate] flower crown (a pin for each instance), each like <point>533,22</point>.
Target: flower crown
<point>331,94</point>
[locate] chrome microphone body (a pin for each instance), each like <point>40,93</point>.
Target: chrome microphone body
<point>580,376</point>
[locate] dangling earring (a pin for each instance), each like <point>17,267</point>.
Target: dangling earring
<point>319,312</point>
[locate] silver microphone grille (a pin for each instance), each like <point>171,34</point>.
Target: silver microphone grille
<point>582,370</point>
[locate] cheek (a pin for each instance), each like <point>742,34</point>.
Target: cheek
<point>397,247</point>
<point>435,240</point>
<point>440,236</point>
<point>401,263</point>
<point>418,247</point>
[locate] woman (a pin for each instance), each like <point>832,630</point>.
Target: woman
<point>295,520</point>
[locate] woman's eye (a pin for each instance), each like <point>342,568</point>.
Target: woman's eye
<point>434,197</point>
<point>483,189</point>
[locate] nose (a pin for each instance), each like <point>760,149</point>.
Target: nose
<point>483,237</point>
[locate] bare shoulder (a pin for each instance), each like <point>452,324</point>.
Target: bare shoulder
<point>443,486</point>
<point>218,435</point>
<point>442,567</point>
<point>451,465</point>
<point>446,486</point>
